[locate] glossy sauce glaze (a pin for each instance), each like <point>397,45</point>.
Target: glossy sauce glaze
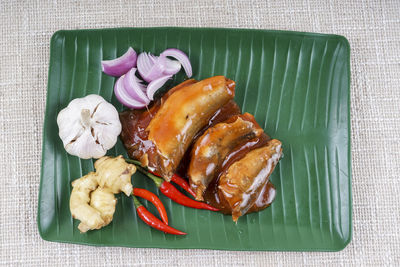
<point>212,194</point>
<point>210,150</point>
<point>144,132</point>
<point>134,125</point>
<point>182,116</point>
<point>135,137</point>
<point>225,112</point>
<point>136,140</point>
<point>242,183</point>
<point>265,198</point>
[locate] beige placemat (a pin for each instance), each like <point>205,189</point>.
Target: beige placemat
<point>373,29</point>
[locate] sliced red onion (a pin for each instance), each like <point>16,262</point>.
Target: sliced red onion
<point>181,57</point>
<point>155,85</point>
<point>147,67</point>
<point>151,67</point>
<point>121,65</point>
<point>170,67</point>
<point>124,97</point>
<point>134,87</point>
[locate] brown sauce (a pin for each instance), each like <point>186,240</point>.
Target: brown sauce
<point>224,113</point>
<point>241,150</point>
<point>135,122</point>
<point>212,194</point>
<point>265,198</point>
<point>135,139</point>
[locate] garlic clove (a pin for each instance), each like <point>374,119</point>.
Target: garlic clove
<point>106,125</point>
<point>71,128</point>
<point>89,126</point>
<point>86,147</point>
<point>106,113</point>
<point>105,135</point>
<point>92,101</point>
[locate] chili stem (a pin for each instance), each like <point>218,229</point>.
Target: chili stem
<point>136,202</point>
<point>157,180</point>
<point>136,162</point>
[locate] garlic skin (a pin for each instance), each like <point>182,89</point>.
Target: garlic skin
<point>88,127</point>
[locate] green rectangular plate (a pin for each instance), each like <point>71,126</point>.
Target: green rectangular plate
<point>295,84</point>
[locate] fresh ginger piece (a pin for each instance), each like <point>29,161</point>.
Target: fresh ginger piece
<point>103,200</point>
<point>115,174</point>
<point>79,203</point>
<point>92,198</point>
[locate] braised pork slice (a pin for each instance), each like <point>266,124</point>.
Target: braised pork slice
<point>213,146</point>
<point>160,136</point>
<point>134,124</point>
<point>181,116</point>
<point>243,181</point>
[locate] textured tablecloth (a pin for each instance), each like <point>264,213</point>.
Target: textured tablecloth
<point>373,30</point>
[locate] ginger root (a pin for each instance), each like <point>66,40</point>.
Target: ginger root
<point>79,203</point>
<point>92,198</point>
<point>115,174</point>
<point>103,200</point>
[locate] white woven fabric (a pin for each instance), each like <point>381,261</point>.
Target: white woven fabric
<point>373,29</point>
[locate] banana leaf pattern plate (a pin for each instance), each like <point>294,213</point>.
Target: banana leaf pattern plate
<point>295,84</point>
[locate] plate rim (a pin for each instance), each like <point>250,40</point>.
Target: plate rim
<point>340,38</point>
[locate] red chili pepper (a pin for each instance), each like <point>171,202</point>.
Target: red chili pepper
<point>146,194</point>
<point>175,195</point>
<point>153,221</point>
<point>179,181</point>
<point>183,183</point>
<point>171,192</point>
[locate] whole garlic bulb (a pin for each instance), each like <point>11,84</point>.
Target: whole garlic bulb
<point>88,126</point>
